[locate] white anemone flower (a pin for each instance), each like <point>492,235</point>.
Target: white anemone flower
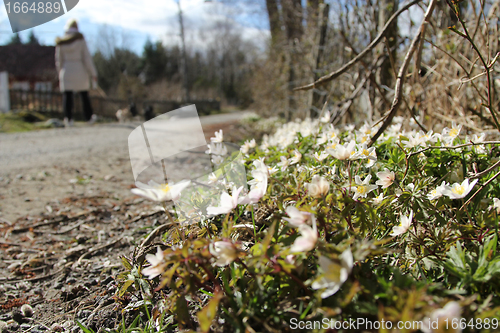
<point>378,199</point>
<point>227,203</point>
<point>404,225</point>
<point>363,152</point>
<point>284,163</point>
<point>247,146</point>
<point>225,252</point>
<point>459,191</point>
<point>440,320</point>
<point>160,192</point>
<point>308,238</point>
<point>216,148</point>
<point>297,217</point>
<point>334,273</point>
<point>320,156</point>
<point>363,187</point>
<point>342,152</point>
<point>155,260</point>
<point>386,178</point>
<point>326,118</point>
<point>437,192</point>
<point>272,170</point>
<point>212,178</point>
<point>496,205</point>
<point>479,139</point>
<point>449,134</point>
<point>258,189</point>
<point>219,137</point>
<point>318,187</point>
<point>296,157</point>
<point>260,166</point>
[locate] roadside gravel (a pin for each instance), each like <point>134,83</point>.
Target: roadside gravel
<point>48,165</point>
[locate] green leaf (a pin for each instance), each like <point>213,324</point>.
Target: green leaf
<point>126,263</point>
<point>125,287</point>
<point>208,313</point>
<point>85,329</point>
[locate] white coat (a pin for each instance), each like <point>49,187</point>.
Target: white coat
<point>74,64</point>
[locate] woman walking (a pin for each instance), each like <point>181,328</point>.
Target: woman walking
<point>75,67</point>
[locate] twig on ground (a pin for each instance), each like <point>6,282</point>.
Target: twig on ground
<point>38,278</point>
<point>97,249</point>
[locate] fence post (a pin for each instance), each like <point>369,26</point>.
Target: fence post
<point>4,92</point>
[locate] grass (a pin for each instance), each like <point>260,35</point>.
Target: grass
<point>14,122</point>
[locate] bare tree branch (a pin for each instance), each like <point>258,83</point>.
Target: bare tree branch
<point>402,72</point>
<point>351,63</point>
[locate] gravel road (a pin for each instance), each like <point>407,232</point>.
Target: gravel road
<point>40,166</point>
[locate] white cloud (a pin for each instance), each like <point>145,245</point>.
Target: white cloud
<point>131,22</point>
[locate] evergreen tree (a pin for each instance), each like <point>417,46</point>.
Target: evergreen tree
<point>32,39</point>
<point>154,61</point>
<point>16,39</point>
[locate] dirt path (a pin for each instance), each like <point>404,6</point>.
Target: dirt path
<point>67,218</point>
<point>42,167</point>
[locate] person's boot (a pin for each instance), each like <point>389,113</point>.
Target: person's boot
<point>68,123</point>
<point>92,119</point>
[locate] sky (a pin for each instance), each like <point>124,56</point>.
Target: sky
<point>129,23</point>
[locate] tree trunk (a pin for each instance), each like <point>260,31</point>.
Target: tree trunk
<point>322,25</point>
<point>386,9</point>
<point>274,21</point>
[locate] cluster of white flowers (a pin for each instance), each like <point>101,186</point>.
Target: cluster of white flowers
<point>217,149</point>
<point>453,191</point>
<point>287,134</point>
<point>351,148</point>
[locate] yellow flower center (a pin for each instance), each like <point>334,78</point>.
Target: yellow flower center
<point>453,132</point>
<point>361,189</point>
<point>363,139</point>
<point>366,152</point>
<point>458,190</point>
<point>332,146</point>
<point>165,188</point>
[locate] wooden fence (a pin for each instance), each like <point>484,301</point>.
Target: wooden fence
<point>50,103</point>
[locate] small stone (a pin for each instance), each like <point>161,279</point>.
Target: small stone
<point>25,327</point>
<point>70,280</point>
<point>27,310</point>
<point>83,314</point>
<point>13,327</point>
<point>18,316</point>
<point>27,199</point>
<point>41,328</point>
<point>57,285</point>
<point>56,327</point>
<point>3,326</point>
<point>38,291</point>
<point>67,324</point>
<point>80,239</point>
<point>6,316</point>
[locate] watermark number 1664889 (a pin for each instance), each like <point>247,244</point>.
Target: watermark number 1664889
<point>40,7</point>
<point>26,14</point>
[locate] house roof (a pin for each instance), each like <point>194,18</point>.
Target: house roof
<point>28,61</point>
